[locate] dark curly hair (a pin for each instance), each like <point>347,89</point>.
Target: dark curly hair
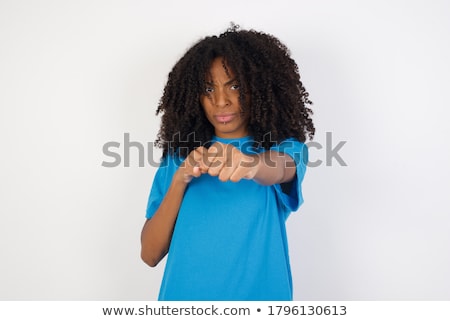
<point>265,72</point>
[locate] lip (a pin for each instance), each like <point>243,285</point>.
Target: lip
<point>224,118</point>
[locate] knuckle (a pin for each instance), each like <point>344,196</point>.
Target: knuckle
<point>235,179</point>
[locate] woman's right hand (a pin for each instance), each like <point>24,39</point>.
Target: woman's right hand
<point>193,166</point>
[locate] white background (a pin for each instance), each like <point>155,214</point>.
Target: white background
<point>75,75</point>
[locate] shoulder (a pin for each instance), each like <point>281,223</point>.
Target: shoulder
<point>171,160</point>
<point>168,165</point>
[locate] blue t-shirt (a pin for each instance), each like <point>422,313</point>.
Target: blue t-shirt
<point>229,241</point>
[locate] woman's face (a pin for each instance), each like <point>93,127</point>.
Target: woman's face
<point>220,101</point>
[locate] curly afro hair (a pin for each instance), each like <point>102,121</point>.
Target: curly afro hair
<point>266,73</point>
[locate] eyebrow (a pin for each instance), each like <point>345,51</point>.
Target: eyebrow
<point>229,82</point>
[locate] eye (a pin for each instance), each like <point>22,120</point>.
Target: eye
<point>235,87</point>
<point>209,90</point>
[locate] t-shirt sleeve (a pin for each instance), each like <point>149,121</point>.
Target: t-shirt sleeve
<point>292,197</point>
<point>161,183</point>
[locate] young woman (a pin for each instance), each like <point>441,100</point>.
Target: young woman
<point>235,117</point>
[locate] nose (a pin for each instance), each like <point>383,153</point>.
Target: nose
<point>221,99</point>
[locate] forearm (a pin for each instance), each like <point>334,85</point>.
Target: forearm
<point>157,231</point>
<point>274,168</point>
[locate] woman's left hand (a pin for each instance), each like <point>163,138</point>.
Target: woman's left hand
<point>230,164</point>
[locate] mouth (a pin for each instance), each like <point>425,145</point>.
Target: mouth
<point>224,118</point>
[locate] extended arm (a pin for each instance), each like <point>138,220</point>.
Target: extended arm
<point>267,168</point>
<point>274,168</point>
